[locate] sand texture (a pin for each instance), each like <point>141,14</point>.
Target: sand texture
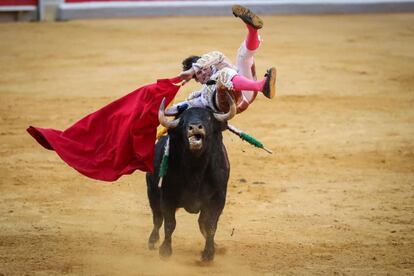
<point>335,198</point>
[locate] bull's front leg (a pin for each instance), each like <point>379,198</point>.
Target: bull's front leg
<point>169,227</point>
<point>207,221</point>
<point>157,218</point>
<point>157,221</point>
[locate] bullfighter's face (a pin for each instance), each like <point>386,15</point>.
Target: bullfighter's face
<point>202,75</point>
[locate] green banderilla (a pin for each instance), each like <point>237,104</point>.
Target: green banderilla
<point>246,137</point>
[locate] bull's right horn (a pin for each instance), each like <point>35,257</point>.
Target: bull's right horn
<point>232,111</point>
<point>163,120</point>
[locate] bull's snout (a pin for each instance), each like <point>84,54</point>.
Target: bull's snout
<point>195,135</point>
<point>195,128</point>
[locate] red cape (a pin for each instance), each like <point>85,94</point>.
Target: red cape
<point>115,140</point>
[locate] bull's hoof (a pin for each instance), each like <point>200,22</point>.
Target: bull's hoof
<point>165,250</point>
<point>207,256</point>
<point>151,245</point>
<point>154,237</point>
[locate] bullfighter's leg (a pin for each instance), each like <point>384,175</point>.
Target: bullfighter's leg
<point>245,59</point>
<point>169,227</point>
<point>207,221</point>
<point>248,48</point>
<point>227,79</point>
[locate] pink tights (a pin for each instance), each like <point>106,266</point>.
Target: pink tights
<point>252,38</point>
<point>242,83</point>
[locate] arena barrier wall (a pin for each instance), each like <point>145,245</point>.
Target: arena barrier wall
<point>21,10</point>
<point>77,9</point>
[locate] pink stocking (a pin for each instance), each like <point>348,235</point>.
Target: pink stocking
<point>242,83</point>
<point>252,38</point>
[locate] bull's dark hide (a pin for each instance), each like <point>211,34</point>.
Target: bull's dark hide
<point>196,179</point>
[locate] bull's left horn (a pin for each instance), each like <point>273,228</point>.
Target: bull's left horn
<point>232,111</point>
<point>163,120</point>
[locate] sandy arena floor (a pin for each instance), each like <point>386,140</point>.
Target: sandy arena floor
<point>335,198</point>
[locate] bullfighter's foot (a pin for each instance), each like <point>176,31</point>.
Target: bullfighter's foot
<point>165,250</point>
<point>247,16</point>
<point>269,88</point>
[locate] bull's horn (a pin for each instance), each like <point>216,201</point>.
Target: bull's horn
<point>229,115</point>
<point>163,120</point>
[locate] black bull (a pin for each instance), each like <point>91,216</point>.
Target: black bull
<point>196,180</point>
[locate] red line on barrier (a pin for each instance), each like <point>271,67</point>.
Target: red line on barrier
<point>83,1</point>
<point>18,2</point>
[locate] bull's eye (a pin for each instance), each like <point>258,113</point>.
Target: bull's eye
<point>200,127</point>
<point>190,128</point>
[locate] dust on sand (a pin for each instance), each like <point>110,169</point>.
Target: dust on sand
<point>336,197</point>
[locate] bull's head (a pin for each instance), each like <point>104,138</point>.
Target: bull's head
<point>196,125</point>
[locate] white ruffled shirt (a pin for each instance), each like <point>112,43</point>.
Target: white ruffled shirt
<point>223,72</point>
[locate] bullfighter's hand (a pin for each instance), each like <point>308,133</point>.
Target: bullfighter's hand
<point>187,75</point>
